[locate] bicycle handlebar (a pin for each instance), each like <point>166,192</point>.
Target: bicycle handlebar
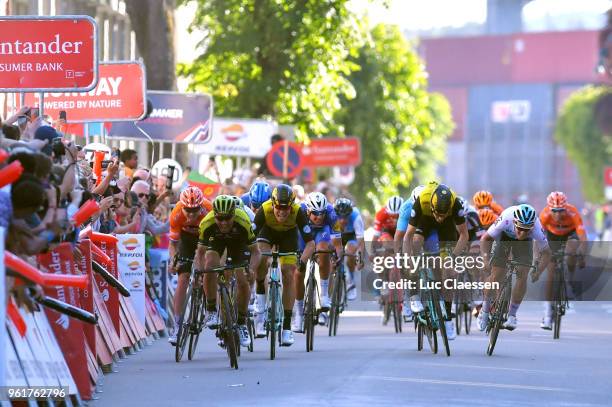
<point>279,254</point>
<point>514,263</point>
<point>110,279</point>
<point>222,269</point>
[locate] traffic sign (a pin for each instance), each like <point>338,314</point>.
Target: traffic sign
<point>332,152</point>
<point>608,176</point>
<point>40,54</point>
<point>161,168</point>
<point>286,167</point>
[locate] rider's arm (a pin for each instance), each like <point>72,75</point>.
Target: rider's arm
<point>359,228</point>
<point>462,242</point>
<point>304,228</point>
<point>485,246</point>
<point>540,240</point>
<point>172,250</point>
<point>198,259</point>
<point>255,258</point>
<point>398,239</point>
<point>407,242</point>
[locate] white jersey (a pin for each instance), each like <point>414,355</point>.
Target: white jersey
<point>251,214</point>
<point>505,224</point>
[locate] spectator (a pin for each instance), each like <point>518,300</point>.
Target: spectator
<point>11,132</point>
<point>263,167</point>
<point>148,222</point>
<point>129,158</point>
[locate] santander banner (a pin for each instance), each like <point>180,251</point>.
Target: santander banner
<point>119,96</point>
<point>332,152</point>
<point>48,53</point>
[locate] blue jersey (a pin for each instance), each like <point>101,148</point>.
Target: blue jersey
<point>404,215</point>
<point>330,218</point>
<point>354,224</point>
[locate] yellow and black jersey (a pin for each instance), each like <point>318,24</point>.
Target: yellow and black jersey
<point>241,232</point>
<point>297,219</point>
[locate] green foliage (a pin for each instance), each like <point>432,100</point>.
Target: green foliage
<point>584,142</point>
<point>276,58</point>
<point>402,127</point>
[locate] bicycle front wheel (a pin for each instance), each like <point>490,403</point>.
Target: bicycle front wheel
<point>230,328</point>
<point>441,323</point>
<point>272,318</point>
<point>197,316</point>
<point>309,314</point>
<point>500,308</point>
<point>557,320</point>
<point>183,326</point>
<point>336,301</point>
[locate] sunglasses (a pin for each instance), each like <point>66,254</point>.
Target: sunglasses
<point>191,210</point>
<point>143,195</point>
<point>282,208</point>
<point>522,228</point>
<point>222,218</point>
<point>557,210</point>
<point>317,213</point>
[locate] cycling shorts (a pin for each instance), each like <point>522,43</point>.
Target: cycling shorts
<point>286,241</point>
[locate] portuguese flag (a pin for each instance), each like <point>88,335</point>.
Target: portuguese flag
<point>209,188</point>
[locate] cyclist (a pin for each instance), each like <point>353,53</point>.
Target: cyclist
<point>486,217</point>
<point>257,195</point>
<point>385,221</point>
<point>484,199</point>
<point>513,233</point>
<point>436,209</point>
<point>350,226</point>
<point>564,231</point>
<point>278,222</point>
<point>184,221</point>
<point>322,220</point>
<point>226,228</point>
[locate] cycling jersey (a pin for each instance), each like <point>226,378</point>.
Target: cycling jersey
<point>179,223</point>
<point>384,222</point>
<point>475,229</point>
<point>354,224</point>
<point>404,215</point>
<point>235,241</point>
<point>570,221</point>
<point>504,225</point>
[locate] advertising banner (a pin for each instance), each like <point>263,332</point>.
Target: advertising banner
<point>87,299</point>
<point>332,152</point>
<point>48,53</point>
<point>68,331</point>
<point>108,293</point>
<point>131,263</point>
<point>159,268</point>
<point>119,96</point>
<point>176,117</point>
<point>239,137</point>
<point>2,312</point>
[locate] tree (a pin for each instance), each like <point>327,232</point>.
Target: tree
<point>283,59</point>
<point>153,23</point>
<point>402,127</point>
<point>586,145</point>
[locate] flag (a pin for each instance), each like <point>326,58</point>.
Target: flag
<point>209,188</point>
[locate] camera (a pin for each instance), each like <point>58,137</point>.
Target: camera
<point>57,147</point>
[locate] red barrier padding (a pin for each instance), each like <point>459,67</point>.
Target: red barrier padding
<point>10,173</point>
<point>85,212</point>
<point>3,155</point>
<point>22,267</point>
<point>103,238</point>
<point>85,233</point>
<point>15,316</point>
<point>66,280</point>
<point>99,255</point>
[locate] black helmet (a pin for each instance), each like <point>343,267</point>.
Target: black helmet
<point>283,195</point>
<point>442,200</point>
<point>343,207</point>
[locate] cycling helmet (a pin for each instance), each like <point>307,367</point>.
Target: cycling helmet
<point>442,199</point>
<point>343,207</point>
<point>486,216</point>
<point>556,200</point>
<point>416,192</point>
<point>482,198</point>
<point>259,193</point>
<point>524,216</point>
<point>316,201</point>
<point>224,205</point>
<point>283,195</point>
<point>394,204</point>
<point>192,197</point>
<point>239,203</point>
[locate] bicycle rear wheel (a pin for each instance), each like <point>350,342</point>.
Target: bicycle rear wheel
<point>336,301</point>
<point>230,328</point>
<point>397,316</point>
<point>467,314</point>
<point>420,334</point>
<point>197,316</point>
<point>459,311</point>
<point>309,313</point>
<point>251,329</point>
<point>183,324</point>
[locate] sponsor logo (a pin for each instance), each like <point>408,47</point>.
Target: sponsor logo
<point>63,321</point>
<point>234,132</point>
<point>133,265</point>
<point>131,243</point>
<point>105,295</point>
<point>136,284</point>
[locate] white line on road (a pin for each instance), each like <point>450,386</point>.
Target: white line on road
<point>354,314</point>
<point>463,383</point>
<point>469,338</point>
<point>462,366</point>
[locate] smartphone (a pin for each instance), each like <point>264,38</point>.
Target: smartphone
<point>105,164</point>
<point>62,115</point>
<point>170,175</point>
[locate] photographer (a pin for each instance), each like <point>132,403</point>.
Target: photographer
<point>148,222</point>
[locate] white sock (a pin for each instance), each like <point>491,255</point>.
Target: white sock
<point>261,301</point>
<point>325,287</point>
<point>299,305</point>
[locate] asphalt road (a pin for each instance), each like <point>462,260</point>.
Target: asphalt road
<point>368,364</point>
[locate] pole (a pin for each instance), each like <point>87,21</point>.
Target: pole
<point>174,150</point>
<point>86,132</point>
<point>41,106</point>
<point>21,99</point>
<point>285,159</point>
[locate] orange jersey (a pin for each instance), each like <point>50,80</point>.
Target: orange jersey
<point>385,222</point>
<point>179,223</point>
<point>570,221</point>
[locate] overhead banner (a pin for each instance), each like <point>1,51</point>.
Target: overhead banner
<point>119,96</point>
<point>239,137</point>
<point>332,152</point>
<point>40,54</point>
<point>175,118</point>
<point>131,262</point>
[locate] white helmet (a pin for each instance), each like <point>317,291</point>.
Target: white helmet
<point>394,204</point>
<point>316,201</point>
<point>416,192</point>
